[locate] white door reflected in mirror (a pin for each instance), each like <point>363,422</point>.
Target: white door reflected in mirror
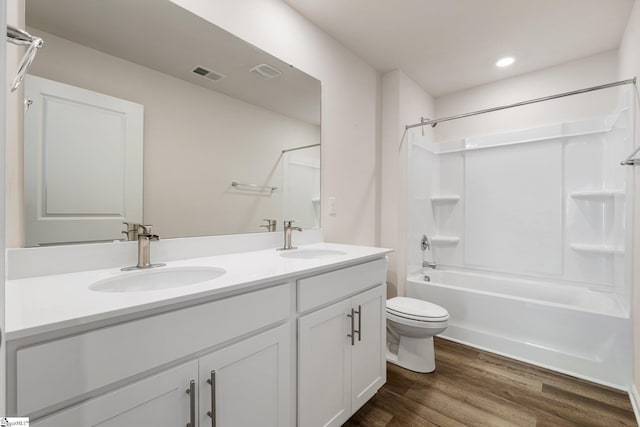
<point>83,164</point>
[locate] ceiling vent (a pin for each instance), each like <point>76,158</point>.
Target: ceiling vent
<point>266,71</point>
<point>211,75</point>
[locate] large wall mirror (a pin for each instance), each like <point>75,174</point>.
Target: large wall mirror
<point>140,111</point>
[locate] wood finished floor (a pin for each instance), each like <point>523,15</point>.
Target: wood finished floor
<point>471,387</point>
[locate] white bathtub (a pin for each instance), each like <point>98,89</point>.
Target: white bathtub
<point>569,329</point>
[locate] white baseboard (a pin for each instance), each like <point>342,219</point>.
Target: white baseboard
<point>635,401</point>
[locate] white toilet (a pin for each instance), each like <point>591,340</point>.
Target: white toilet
<point>411,326</point>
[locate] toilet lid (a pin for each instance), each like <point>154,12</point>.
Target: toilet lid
<point>416,309</point>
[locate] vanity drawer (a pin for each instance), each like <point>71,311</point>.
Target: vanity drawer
<point>61,370</point>
<point>324,288</point>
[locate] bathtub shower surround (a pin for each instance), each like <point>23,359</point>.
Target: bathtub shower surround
<point>574,331</point>
<point>301,185</point>
<point>532,234</point>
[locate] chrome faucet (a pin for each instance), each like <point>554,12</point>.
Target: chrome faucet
<point>144,249</point>
<point>131,231</point>
<point>429,264</point>
<point>288,228</point>
<point>425,244</point>
<point>270,225</point>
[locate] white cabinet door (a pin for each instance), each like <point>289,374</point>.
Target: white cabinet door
<point>82,164</point>
<point>368,372</point>
<point>250,380</point>
<point>159,401</point>
<point>335,375</point>
<point>324,366</point>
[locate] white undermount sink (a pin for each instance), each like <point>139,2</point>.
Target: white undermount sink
<point>157,279</point>
<point>311,253</point>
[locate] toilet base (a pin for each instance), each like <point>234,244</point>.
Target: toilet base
<point>414,354</point>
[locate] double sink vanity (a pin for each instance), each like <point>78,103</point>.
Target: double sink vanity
<point>267,337</point>
<point>230,331</point>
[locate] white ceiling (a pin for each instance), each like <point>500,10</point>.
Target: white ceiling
<point>450,45</point>
<point>162,36</point>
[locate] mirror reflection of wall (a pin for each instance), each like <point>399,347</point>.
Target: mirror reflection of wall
<point>200,135</point>
<point>301,185</point>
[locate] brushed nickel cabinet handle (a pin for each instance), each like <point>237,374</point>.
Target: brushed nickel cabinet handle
<point>212,412</point>
<point>352,335</point>
<point>359,313</point>
<point>191,391</point>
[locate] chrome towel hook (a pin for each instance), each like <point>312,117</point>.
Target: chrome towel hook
<point>631,161</point>
<point>20,37</point>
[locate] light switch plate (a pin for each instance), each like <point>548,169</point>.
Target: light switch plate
<point>332,206</point>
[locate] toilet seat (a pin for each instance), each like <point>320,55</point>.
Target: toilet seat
<point>417,310</point>
<point>430,324</point>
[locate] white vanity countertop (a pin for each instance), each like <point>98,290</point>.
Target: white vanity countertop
<point>43,304</point>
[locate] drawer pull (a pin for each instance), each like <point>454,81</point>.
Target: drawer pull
<point>191,391</point>
<point>359,313</point>
<point>212,412</point>
<point>352,335</point>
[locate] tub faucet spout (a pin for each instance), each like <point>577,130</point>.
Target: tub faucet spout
<point>429,264</point>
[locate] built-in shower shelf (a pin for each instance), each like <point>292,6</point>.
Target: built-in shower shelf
<point>451,198</point>
<point>597,249</point>
<point>445,240</point>
<point>596,195</point>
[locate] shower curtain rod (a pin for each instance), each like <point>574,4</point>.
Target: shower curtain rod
<point>300,148</point>
<point>425,121</point>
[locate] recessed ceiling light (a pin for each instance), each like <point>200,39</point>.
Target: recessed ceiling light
<point>505,62</point>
